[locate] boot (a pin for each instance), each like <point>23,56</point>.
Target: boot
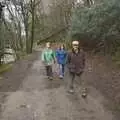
<point>84,93</point>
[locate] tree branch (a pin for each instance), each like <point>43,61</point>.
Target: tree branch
<point>48,37</point>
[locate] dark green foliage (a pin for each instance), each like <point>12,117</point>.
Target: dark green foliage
<point>99,24</point>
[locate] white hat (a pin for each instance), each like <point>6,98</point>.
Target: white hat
<point>75,42</point>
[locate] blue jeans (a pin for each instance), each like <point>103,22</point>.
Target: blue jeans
<point>61,69</point>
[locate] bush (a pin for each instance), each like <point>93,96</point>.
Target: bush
<point>98,24</point>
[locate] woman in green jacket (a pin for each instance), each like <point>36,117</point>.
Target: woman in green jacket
<point>48,58</point>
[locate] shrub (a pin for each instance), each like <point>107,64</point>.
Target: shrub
<point>98,24</point>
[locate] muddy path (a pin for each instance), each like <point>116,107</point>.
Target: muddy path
<point>12,80</point>
<point>36,98</point>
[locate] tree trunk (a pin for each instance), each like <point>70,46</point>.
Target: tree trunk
<point>27,41</point>
<point>33,22</point>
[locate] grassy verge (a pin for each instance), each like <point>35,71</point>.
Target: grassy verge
<point>116,58</point>
<point>5,68</point>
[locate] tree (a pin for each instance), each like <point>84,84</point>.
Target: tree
<point>23,18</point>
<point>98,25</point>
<point>33,6</point>
<point>58,18</point>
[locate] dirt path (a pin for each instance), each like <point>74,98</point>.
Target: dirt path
<point>41,99</point>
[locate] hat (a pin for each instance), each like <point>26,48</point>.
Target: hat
<point>75,42</point>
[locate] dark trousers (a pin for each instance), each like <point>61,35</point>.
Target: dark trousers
<point>72,79</point>
<point>49,71</point>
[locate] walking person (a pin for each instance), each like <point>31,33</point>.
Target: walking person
<point>76,64</point>
<point>48,58</point>
<point>61,56</point>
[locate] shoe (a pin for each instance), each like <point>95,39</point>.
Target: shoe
<point>61,77</point>
<point>84,93</point>
<point>50,78</point>
<point>71,91</point>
